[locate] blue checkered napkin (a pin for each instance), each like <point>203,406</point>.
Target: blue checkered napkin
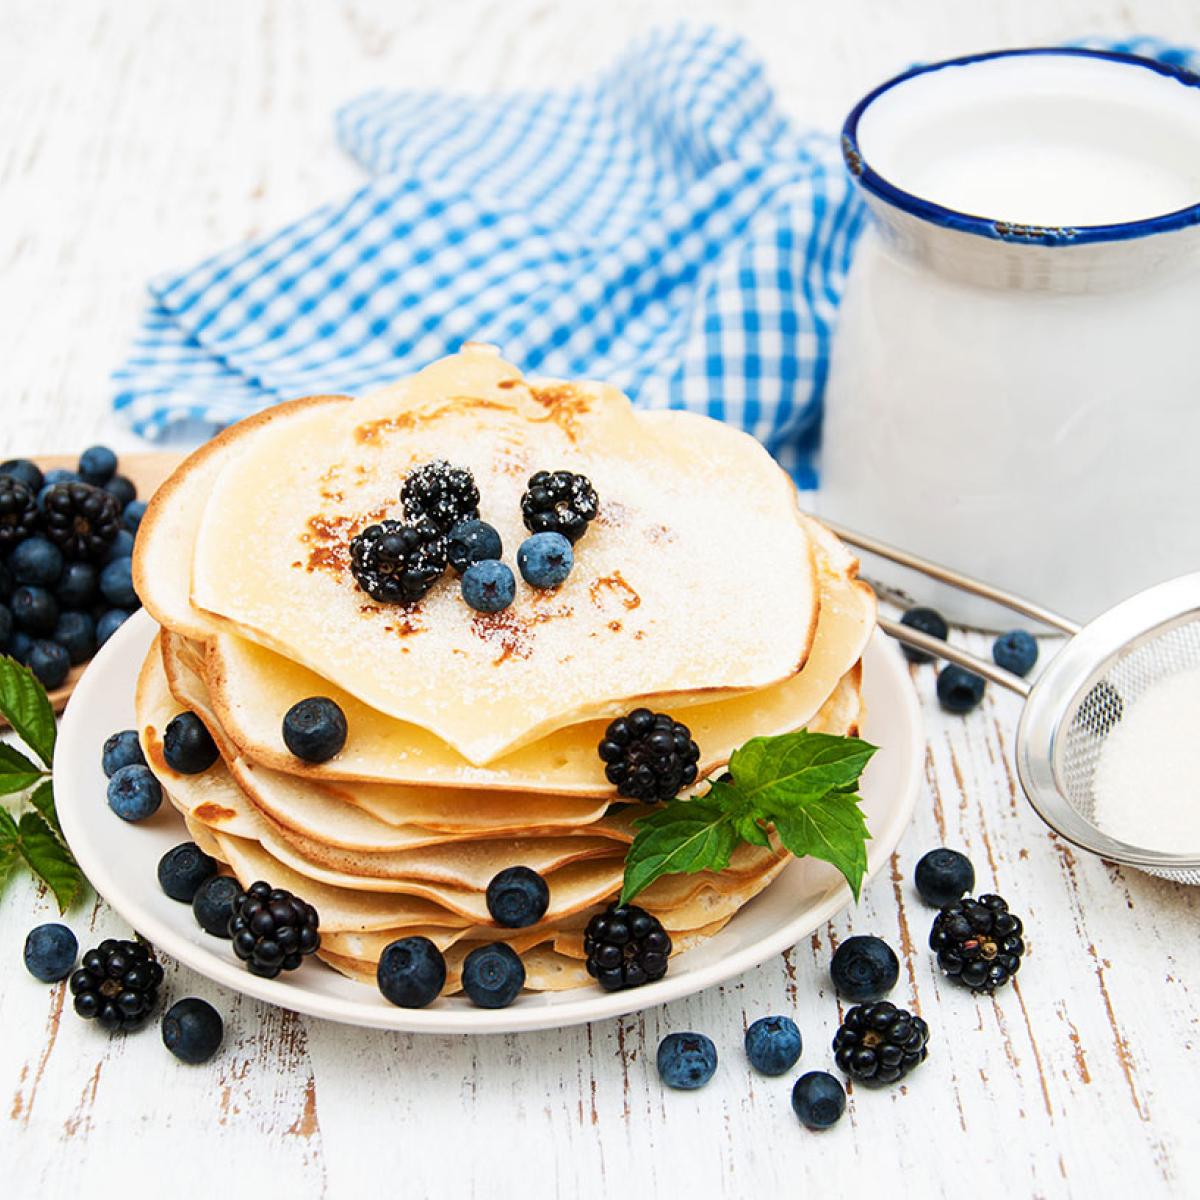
<point>663,228</point>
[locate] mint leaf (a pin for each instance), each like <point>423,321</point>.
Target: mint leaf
<point>26,707</point>
<point>832,829</point>
<point>49,859</point>
<point>43,800</point>
<point>683,836</point>
<point>17,773</point>
<point>798,764</point>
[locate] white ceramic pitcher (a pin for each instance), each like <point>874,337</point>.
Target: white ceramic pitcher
<point>1015,385</point>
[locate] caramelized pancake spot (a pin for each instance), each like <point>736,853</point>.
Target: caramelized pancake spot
<point>617,586</point>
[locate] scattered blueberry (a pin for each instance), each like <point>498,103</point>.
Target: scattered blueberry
<point>686,1060</point>
<point>109,623</point>
<point>492,975</point>
<point>76,634</point>
<point>773,1045</point>
<point>122,546</point>
<point>36,560</point>
<point>183,869</point>
<point>122,490</point>
<point>864,969</point>
<point>18,646</point>
<point>517,897</point>
<point>133,793</point>
<point>314,729</point>
<point>188,747</point>
<point>818,1099</point>
<point>116,583</point>
<point>50,662</point>
<point>944,876</point>
<point>488,586</point>
<point>1015,651</point>
<point>958,689</point>
<point>471,542</point>
<point>411,972</point>
<point>50,952</point>
<point>213,904</point>
<point>923,620</point>
<point>131,516</point>
<point>29,473</point>
<point>77,585</point>
<point>192,1030</point>
<point>545,560</point>
<point>121,750</point>
<point>34,609</point>
<point>6,625</point>
<point>96,465</point>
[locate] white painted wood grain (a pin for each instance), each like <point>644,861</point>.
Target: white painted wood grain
<point>140,135</point>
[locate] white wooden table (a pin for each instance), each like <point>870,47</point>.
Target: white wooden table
<point>138,136</point>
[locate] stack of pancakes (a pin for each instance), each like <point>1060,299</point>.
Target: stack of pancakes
<point>699,590</point>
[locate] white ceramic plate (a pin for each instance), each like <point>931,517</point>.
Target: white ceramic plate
<point>121,861</point>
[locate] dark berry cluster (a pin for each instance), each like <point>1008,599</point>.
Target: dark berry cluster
<point>440,493</point>
<point>559,502</point>
<point>117,984</point>
<point>978,942</point>
<point>81,519</point>
<point>880,1043</point>
<point>397,563</point>
<point>626,947</point>
<point>18,512</point>
<point>649,756</point>
<point>272,930</point>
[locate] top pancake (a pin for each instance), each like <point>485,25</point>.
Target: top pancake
<point>697,579</point>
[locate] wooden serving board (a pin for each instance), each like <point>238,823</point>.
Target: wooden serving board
<point>147,470</point>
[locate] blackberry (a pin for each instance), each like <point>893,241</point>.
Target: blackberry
<point>272,930</point>
<point>880,1043</point>
<point>649,756</point>
<point>18,512</point>
<point>440,493</point>
<point>559,502</point>
<point>978,942</point>
<point>117,984</point>
<point>625,947</point>
<point>398,563</point>
<point>82,520</point>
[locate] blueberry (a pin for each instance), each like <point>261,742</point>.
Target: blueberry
<point>488,586</point>
<point>517,897</point>
<point>864,969</point>
<point>773,1044</point>
<point>109,623</point>
<point>686,1060</point>
<point>50,662</point>
<point>471,542</point>
<point>188,747</point>
<point>132,515</point>
<point>818,1099</point>
<point>56,476</point>
<point>29,473</point>
<point>192,1030</point>
<point>183,869</point>
<point>36,561</point>
<point>545,560</point>
<point>133,793</point>
<point>18,646</point>
<point>1015,651</point>
<point>924,620</point>
<point>314,729</point>
<point>944,876</point>
<point>96,465</point>
<point>411,972</point>
<point>121,750</point>
<point>76,634</point>
<point>77,585</point>
<point>958,689</point>
<point>122,546</point>
<point>34,609</point>
<point>123,489</point>
<point>6,625</point>
<point>492,975</point>
<point>116,583</point>
<point>212,905</point>
<point>50,952</point>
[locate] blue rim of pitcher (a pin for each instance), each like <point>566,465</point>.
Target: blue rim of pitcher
<point>1044,235</point>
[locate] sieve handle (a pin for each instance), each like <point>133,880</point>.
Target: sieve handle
<point>940,649</point>
<point>955,579</point>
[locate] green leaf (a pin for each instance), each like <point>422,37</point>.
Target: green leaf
<point>831,828</point>
<point>683,836</point>
<point>9,834</point>
<point>25,705</point>
<point>17,773</point>
<point>43,800</point>
<point>49,859</point>
<point>798,764</point>
<point>8,860</point>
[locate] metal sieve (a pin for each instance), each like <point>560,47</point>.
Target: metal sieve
<point>1079,698</point>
